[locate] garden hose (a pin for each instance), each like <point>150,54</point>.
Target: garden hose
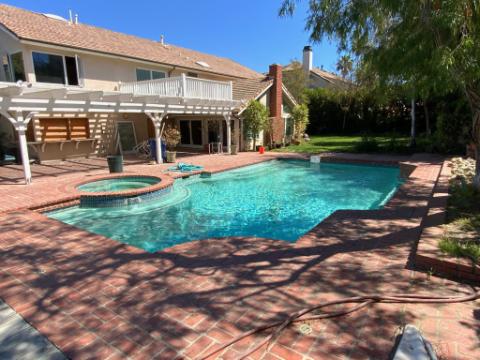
<point>361,301</point>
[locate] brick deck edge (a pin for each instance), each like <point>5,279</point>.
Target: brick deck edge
<point>428,256</point>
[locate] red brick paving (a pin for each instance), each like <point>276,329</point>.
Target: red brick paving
<point>96,298</point>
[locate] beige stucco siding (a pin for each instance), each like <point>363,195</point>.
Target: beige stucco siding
<point>105,72</point>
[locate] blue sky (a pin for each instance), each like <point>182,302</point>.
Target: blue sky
<point>248,31</point>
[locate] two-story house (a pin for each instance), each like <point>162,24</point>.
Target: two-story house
<point>71,89</point>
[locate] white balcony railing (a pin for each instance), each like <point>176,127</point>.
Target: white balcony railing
<point>181,86</point>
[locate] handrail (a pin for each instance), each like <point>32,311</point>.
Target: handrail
<point>181,86</point>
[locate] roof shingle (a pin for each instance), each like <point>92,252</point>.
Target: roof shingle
<point>248,89</point>
<point>37,27</point>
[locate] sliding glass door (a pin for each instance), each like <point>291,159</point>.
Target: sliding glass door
<point>191,132</point>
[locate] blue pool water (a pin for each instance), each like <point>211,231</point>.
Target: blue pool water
<point>281,199</point>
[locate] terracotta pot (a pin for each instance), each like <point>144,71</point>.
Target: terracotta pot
<point>171,156</point>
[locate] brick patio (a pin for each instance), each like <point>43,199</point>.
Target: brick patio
<point>96,298</point>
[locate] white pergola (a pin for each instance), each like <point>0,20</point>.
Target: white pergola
<point>19,103</point>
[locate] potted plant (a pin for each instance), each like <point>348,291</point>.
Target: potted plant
<point>172,138</point>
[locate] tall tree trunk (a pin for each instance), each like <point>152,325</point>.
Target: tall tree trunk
<point>473,94</point>
<point>413,133</point>
<point>427,117</point>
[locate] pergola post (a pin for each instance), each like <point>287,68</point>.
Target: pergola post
<point>228,119</point>
<point>236,130</point>
<point>20,123</point>
<point>157,119</point>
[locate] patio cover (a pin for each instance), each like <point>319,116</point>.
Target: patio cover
<point>20,102</point>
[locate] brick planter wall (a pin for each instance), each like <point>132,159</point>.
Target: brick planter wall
<point>428,256</point>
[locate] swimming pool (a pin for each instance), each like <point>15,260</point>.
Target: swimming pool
<point>280,199</point>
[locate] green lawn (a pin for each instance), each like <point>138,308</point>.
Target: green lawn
<point>319,144</point>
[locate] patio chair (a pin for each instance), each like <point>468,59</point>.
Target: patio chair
<point>142,150</point>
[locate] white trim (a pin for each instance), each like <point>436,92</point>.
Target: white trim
<point>289,96</point>
<point>65,75</point>
<point>8,32</point>
<point>256,98</point>
<point>14,97</point>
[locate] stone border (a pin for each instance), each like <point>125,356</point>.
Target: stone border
<point>428,256</point>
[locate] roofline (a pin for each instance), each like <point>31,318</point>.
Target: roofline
<point>289,95</point>
<point>27,41</point>
<point>256,97</point>
<point>9,32</point>
<point>284,90</point>
<point>320,76</point>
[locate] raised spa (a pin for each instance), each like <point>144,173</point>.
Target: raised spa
<point>123,183</point>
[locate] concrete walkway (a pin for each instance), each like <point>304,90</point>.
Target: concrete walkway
<point>19,340</point>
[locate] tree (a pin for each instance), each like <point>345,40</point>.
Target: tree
<point>425,45</point>
<point>345,66</point>
<point>300,120</point>
<point>296,80</point>
<point>255,119</point>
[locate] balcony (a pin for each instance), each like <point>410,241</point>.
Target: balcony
<point>180,87</point>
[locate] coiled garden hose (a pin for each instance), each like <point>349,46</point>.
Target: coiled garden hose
<point>361,301</point>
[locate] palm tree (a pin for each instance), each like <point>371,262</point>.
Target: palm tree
<point>345,66</point>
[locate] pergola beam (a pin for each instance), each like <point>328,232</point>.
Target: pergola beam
<point>85,95</point>
<point>44,94</point>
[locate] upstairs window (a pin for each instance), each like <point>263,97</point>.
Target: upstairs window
<point>13,67</point>
<point>17,67</point>
<point>144,74</point>
<point>56,69</point>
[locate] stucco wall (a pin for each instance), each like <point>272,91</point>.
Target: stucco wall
<point>105,72</point>
<point>8,45</point>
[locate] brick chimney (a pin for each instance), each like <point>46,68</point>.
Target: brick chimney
<point>275,105</point>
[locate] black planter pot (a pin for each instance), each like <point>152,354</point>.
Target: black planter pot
<point>115,163</point>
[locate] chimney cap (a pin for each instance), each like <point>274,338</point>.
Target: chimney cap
<point>307,48</point>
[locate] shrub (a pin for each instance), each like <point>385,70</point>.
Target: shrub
<point>255,119</point>
<point>300,120</point>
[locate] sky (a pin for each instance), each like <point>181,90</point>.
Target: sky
<point>247,31</point>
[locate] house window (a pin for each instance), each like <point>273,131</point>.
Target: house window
<point>191,132</point>
<point>64,129</point>
<point>17,67</point>
<point>56,69</point>
<point>13,67</point>
<point>185,132</point>
<point>144,74</point>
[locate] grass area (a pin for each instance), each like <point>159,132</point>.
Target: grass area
<point>350,144</point>
<point>462,232</point>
